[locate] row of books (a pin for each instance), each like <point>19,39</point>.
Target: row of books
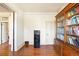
<point>73,20</point>
<point>60,36</point>
<point>73,11</point>
<point>60,30</point>
<point>73,40</point>
<point>73,30</point>
<point>60,24</point>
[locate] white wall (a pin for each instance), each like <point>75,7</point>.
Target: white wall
<point>10,20</point>
<point>18,29</point>
<point>36,20</point>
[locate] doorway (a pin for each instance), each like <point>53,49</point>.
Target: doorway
<point>49,33</point>
<point>6,28</point>
<point>4,32</point>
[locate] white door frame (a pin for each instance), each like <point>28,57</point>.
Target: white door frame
<point>10,10</point>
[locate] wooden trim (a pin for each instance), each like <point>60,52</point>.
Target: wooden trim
<point>67,8</point>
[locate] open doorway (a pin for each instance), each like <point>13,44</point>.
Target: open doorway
<point>49,33</point>
<point>6,30</point>
<point>5,33</point>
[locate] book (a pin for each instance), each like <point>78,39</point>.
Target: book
<point>69,14</point>
<point>77,9</point>
<point>77,30</point>
<point>76,43</point>
<point>77,17</point>
<point>77,40</point>
<point>74,20</point>
<point>72,12</point>
<point>68,22</point>
<point>70,39</point>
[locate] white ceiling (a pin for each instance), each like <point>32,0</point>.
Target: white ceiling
<point>34,7</point>
<point>40,7</point>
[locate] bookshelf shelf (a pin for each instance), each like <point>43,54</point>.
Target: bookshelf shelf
<point>60,40</point>
<point>72,25</point>
<point>60,27</point>
<point>60,33</point>
<point>72,35</point>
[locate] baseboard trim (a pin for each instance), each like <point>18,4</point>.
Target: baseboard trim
<point>20,47</point>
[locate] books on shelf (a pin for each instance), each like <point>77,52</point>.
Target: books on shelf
<point>74,20</point>
<point>59,24</point>
<point>68,22</point>
<point>77,17</point>
<point>73,30</point>
<point>73,41</point>
<point>70,40</point>
<point>60,36</point>
<point>77,9</point>
<point>69,30</point>
<point>60,30</point>
<point>68,14</point>
<point>73,11</point>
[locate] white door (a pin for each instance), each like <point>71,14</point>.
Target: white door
<point>49,31</point>
<point>4,32</point>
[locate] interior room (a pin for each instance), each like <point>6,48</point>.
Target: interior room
<point>6,30</point>
<point>39,29</point>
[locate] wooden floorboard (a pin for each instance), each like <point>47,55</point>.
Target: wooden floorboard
<point>42,51</point>
<point>47,50</point>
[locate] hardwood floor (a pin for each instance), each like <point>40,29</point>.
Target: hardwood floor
<point>31,51</point>
<point>47,50</point>
<point>5,49</point>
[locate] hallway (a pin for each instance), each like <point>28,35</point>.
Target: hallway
<point>28,51</point>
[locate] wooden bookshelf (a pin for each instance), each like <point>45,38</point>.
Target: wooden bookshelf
<point>66,48</point>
